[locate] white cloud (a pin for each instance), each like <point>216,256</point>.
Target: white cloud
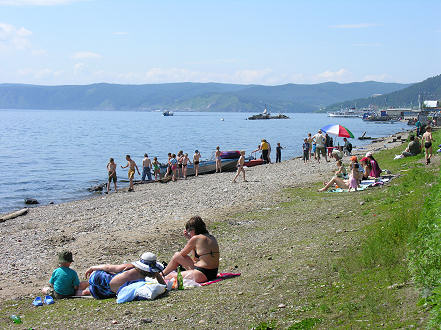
<point>38,52</point>
<point>85,55</point>
<point>353,26</point>
<point>35,2</point>
<point>120,33</point>
<point>13,37</point>
<point>333,75</point>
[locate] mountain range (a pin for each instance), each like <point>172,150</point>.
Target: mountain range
<point>213,97</point>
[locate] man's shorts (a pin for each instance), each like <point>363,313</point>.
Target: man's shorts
<point>99,285</point>
<point>321,150</point>
<point>131,174</point>
<point>113,178</point>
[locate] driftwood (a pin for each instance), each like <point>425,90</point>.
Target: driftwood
<point>14,215</point>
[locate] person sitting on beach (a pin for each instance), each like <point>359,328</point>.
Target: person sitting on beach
<point>196,160</point>
<point>64,281</point>
<point>347,148</point>
<point>367,168</point>
<point>428,139</point>
<point>185,162</point>
<point>205,262</point>
<point>111,171</point>
<point>337,154</point>
<point>156,168</point>
<point>218,158</point>
<point>351,183</point>
<point>413,148</point>
<point>341,172</point>
<point>375,169</point>
<point>240,163</point>
<point>106,280</point>
<point>131,174</point>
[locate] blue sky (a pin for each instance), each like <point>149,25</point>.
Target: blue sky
<point>55,42</point>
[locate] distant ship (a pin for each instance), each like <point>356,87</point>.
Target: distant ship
<point>167,113</point>
<point>351,113</point>
<point>266,115</point>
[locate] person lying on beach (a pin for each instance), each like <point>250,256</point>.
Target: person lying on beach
<point>205,262</point>
<point>111,171</point>
<point>131,174</point>
<point>106,280</point>
<point>64,280</point>
<point>196,159</point>
<point>240,168</point>
<point>350,183</point>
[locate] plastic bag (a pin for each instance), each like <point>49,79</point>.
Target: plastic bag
<point>150,291</point>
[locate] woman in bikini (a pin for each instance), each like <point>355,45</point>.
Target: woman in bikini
<point>185,161</point>
<point>353,180</point>
<point>427,139</point>
<point>205,262</point>
<point>218,160</point>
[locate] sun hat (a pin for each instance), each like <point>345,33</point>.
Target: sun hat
<point>65,256</point>
<point>368,154</point>
<point>148,263</point>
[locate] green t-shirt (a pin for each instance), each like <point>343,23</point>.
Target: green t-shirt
<point>64,280</point>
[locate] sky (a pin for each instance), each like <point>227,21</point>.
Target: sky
<point>56,42</point>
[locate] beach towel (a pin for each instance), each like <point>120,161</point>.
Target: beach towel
<point>220,277</point>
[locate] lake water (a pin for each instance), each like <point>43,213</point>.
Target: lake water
<point>56,155</point>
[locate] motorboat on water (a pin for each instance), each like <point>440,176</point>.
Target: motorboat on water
<point>167,113</point>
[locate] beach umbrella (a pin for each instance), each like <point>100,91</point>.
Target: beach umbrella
<point>338,130</point>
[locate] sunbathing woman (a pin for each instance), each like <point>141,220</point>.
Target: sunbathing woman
<point>353,180</point>
<point>367,167</point>
<point>205,262</point>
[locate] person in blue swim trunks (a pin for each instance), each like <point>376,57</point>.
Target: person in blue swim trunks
<point>106,280</point>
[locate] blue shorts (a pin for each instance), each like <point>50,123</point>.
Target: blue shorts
<point>99,285</point>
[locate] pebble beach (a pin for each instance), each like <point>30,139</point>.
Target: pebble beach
<point>119,226</point>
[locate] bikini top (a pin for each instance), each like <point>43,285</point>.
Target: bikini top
<point>196,255</point>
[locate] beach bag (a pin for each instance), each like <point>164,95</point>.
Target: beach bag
<point>150,290</point>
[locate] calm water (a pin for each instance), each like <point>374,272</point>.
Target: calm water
<point>56,155</point>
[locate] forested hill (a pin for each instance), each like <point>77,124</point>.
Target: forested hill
<point>429,89</point>
<point>188,96</point>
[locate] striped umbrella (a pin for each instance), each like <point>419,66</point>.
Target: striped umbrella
<point>338,130</point>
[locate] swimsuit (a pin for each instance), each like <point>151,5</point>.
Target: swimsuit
<point>196,162</point>
<point>112,177</point>
<point>131,173</point>
<point>210,274</point>
<point>427,144</point>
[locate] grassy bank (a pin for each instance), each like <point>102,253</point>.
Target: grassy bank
<point>311,260</point>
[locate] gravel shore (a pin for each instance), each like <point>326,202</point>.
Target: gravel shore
<point>119,226</point>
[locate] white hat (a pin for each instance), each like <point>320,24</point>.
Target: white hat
<point>368,154</point>
<point>148,263</point>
